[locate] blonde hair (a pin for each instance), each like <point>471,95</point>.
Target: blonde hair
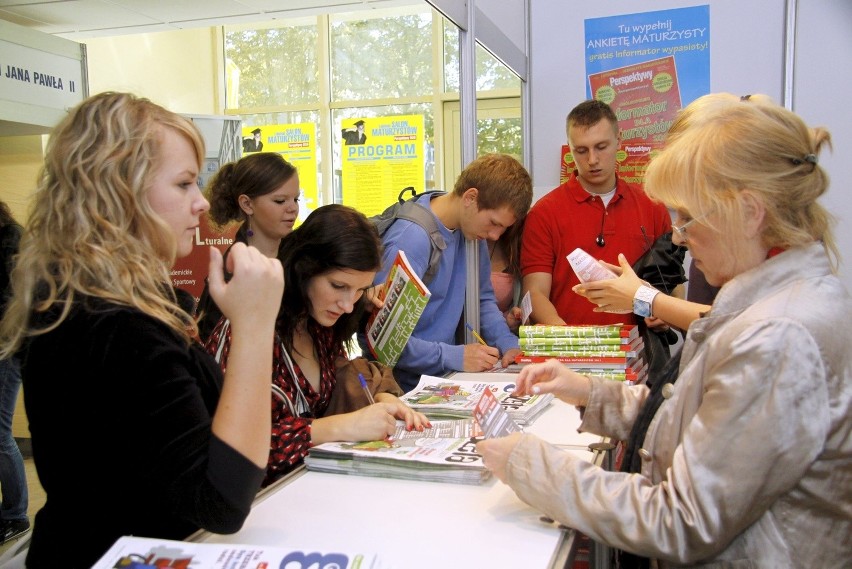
<point>91,231</point>
<point>722,144</point>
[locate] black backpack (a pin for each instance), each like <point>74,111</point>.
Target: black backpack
<point>412,211</point>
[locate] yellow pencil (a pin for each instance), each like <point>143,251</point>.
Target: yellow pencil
<point>475,334</point>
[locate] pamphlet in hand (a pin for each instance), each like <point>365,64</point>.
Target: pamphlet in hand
<point>526,308</point>
<point>492,418</point>
<point>141,552</point>
<point>405,297</point>
<point>588,269</point>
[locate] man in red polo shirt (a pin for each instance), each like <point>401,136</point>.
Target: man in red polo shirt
<point>593,210</point>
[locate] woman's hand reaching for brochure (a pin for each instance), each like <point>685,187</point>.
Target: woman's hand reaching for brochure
<point>496,452</point>
<point>556,378</point>
<point>612,294</point>
<point>414,421</point>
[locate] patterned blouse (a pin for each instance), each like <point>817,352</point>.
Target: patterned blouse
<point>291,434</point>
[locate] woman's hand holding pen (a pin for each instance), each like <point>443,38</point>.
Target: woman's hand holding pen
<point>612,294</point>
<point>370,423</point>
<point>556,378</point>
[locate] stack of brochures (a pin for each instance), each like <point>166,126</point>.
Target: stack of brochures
<point>141,552</point>
<point>444,453</point>
<point>612,351</point>
<point>442,397</point>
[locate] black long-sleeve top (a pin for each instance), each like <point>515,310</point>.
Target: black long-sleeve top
<point>120,411</point>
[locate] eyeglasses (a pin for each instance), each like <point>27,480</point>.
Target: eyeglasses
<point>681,230</point>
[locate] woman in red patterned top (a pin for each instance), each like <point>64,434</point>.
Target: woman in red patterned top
<point>329,262</point>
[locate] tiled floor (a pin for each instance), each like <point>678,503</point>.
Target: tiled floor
<point>37,496</point>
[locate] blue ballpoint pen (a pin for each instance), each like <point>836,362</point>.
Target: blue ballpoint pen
<point>366,389</point>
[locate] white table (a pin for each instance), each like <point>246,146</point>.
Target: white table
<point>415,524</point>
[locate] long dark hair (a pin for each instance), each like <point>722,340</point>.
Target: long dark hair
<point>333,237</point>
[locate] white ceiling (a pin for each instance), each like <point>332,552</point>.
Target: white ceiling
<point>80,19</point>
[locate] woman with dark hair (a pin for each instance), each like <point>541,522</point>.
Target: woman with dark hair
<point>329,262</point>
<point>261,191</point>
<point>505,255</point>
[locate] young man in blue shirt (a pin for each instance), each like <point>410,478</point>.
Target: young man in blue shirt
<point>492,193</point>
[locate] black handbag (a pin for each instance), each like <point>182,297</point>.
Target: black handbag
<point>662,264</point>
<point>662,267</point>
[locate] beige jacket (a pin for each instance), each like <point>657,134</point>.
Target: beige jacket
<point>748,463</point>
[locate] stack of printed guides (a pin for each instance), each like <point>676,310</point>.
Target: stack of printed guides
<point>614,351</point>
<point>444,453</point>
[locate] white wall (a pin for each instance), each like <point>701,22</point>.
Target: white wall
<point>174,69</point>
<point>822,83</point>
<point>746,56</point>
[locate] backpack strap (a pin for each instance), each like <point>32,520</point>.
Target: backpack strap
<point>422,216</point>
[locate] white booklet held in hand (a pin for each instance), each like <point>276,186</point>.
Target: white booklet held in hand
<point>588,269</point>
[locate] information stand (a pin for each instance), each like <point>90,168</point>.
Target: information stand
<point>415,524</point>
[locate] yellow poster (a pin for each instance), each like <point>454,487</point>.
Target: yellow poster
<point>380,156</point>
<point>297,143</point>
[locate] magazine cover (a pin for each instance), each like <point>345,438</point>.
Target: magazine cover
<point>148,553</point>
<point>437,396</point>
<point>405,297</point>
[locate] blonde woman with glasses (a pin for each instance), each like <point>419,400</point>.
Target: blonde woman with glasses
<point>747,462</point>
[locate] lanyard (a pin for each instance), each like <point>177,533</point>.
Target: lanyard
<point>301,408</point>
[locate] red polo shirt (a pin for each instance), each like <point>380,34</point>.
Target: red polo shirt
<point>569,217</point>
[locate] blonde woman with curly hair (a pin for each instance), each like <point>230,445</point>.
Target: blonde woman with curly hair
<point>747,461</point>
<point>134,428</point>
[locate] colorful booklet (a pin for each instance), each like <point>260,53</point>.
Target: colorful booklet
<point>405,297</point>
<point>443,397</point>
<point>148,553</point>
<point>492,418</point>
